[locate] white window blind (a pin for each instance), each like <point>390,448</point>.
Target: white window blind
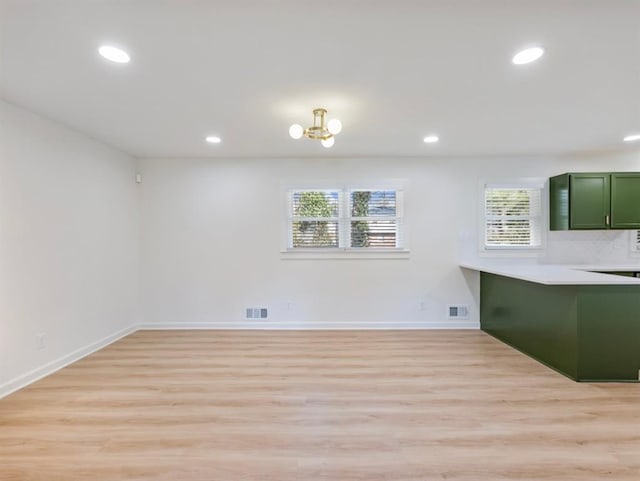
<point>637,240</point>
<point>349,219</point>
<point>373,222</point>
<point>315,218</point>
<point>513,217</point>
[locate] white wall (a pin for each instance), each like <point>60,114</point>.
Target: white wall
<point>212,235</point>
<point>68,244</point>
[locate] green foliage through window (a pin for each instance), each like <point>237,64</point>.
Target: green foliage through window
<point>311,208</point>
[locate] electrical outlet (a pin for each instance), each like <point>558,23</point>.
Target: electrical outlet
<point>289,305</point>
<point>423,306</point>
<point>41,336</point>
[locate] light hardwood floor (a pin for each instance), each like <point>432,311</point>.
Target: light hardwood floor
<point>317,406</point>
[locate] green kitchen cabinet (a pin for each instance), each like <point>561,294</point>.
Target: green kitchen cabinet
<point>601,200</point>
<point>625,200</point>
<point>590,201</point>
<point>586,332</point>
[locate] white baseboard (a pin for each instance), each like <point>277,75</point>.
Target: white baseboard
<point>57,364</point>
<point>268,325</point>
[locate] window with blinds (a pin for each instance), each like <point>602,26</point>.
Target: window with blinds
<point>637,240</point>
<point>512,217</point>
<point>350,219</point>
<point>373,222</point>
<point>315,218</point>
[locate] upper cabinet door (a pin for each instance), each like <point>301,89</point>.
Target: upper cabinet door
<point>559,202</point>
<point>625,200</point>
<point>589,205</point>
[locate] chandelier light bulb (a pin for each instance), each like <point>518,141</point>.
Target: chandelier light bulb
<point>328,143</point>
<point>334,126</point>
<point>296,131</point>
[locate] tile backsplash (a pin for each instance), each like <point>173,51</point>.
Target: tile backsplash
<point>589,247</point>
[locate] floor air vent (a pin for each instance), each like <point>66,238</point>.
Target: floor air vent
<point>256,313</point>
<point>458,312</point>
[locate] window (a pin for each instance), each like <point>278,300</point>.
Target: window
<point>315,218</point>
<point>347,219</point>
<point>636,240</point>
<point>373,222</point>
<point>512,217</point>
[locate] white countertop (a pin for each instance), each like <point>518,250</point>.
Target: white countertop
<point>551,274</point>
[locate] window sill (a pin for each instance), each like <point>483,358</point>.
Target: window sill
<point>319,254</point>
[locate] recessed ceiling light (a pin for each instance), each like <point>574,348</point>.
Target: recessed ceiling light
<point>213,139</point>
<point>114,54</point>
<point>431,139</point>
<point>527,55</point>
<point>632,138</point>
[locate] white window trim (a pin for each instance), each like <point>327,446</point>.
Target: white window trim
<point>513,251</point>
<point>288,252</point>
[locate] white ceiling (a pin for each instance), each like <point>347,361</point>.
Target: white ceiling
<point>392,71</point>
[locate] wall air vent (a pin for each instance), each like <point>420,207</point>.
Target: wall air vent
<point>457,312</point>
<point>256,313</point>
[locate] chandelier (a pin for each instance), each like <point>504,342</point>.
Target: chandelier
<point>321,129</point>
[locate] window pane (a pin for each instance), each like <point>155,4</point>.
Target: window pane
<point>513,217</point>
<point>509,233</point>
<point>373,233</point>
<point>373,203</point>
<point>315,233</point>
<point>521,202</point>
<point>315,203</point>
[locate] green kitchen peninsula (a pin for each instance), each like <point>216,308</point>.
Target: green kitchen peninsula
<point>583,324</point>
